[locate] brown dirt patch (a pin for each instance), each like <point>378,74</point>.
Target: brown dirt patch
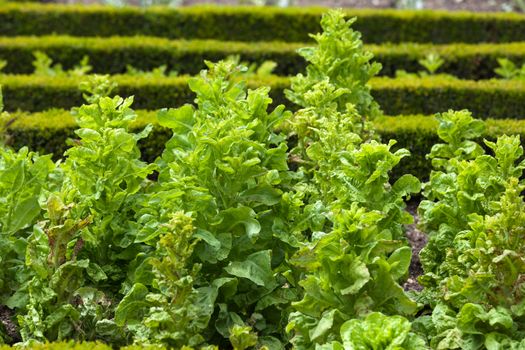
<point>6,319</point>
<point>417,240</point>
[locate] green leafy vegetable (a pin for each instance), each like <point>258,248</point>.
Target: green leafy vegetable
<point>43,65</point>
<point>258,227</point>
<point>473,261</point>
<point>508,69</point>
<point>356,254</point>
<point>160,71</point>
<point>340,62</point>
<point>377,331</point>
<point>432,62</point>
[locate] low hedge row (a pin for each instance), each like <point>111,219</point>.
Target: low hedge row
<point>111,55</point>
<point>466,61</point>
<point>256,23</point>
<point>490,98</point>
<point>48,131</point>
<point>485,98</point>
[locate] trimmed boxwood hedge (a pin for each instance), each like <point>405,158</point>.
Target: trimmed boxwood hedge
<point>484,98</point>
<point>48,131</point>
<point>466,61</point>
<point>243,23</point>
<point>490,98</point>
<point>111,55</point>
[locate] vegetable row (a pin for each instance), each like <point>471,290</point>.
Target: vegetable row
<point>261,227</point>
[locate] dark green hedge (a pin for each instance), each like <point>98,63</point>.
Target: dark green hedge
<point>485,98</point>
<point>111,55</point>
<point>48,131</point>
<point>256,23</point>
<point>466,61</point>
<point>488,98</point>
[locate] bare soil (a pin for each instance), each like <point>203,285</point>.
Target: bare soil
<point>6,320</point>
<point>417,240</point>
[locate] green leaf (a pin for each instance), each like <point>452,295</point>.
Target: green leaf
<point>180,120</point>
<point>256,268</point>
<point>213,248</point>
<point>469,317</point>
<point>232,217</point>
<point>272,343</point>
<point>264,194</point>
<point>24,214</point>
<point>378,331</point>
<point>62,314</point>
<point>133,306</point>
<point>96,273</point>
<point>399,262</point>
<point>325,325</point>
<point>407,184</point>
<point>242,337</point>
<point>500,317</point>
<point>359,275</point>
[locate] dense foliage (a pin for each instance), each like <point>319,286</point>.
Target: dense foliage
<point>253,24</point>
<point>259,227</point>
<point>509,70</point>
<point>474,260</point>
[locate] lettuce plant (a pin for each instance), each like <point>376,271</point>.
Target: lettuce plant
<point>362,231</point>
<point>480,302</point>
<point>261,228</point>
<point>174,313</point>
<point>103,176</point>
<point>432,62</point>
<point>377,331</point>
<point>74,257</point>
<point>467,181</point>
<point>508,69</point>
<point>346,177</point>
<point>24,177</point>
<point>158,72</point>
<point>44,66</point>
<point>473,263</point>
<point>340,61</point>
<point>226,169</point>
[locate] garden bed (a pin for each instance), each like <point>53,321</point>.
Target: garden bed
<point>228,222</point>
